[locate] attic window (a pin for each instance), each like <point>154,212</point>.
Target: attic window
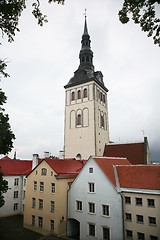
<point>91,170</point>
<point>44,171</point>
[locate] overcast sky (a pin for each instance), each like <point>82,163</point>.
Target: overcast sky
<point>41,61</point>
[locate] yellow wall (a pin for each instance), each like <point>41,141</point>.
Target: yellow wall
<point>59,197</point>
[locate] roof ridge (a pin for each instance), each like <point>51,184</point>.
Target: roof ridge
<point>117,143</point>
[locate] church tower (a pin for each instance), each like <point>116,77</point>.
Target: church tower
<point>86,112</point>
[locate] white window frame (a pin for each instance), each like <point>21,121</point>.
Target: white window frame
<point>93,224</point>
<point>16,181</point>
<point>79,206</point>
<point>53,188</point>
<point>91,187</point>
<point>41,186</point>
<point>52,206</point>
<point>15,207</point>
<point>40,203</point>
<point>35,185</point>
<point>91,208</point>
<point>108,210</point>
<point>106,227</point>
<point>16,193</point>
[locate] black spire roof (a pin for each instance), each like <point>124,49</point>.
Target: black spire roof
<point>85,71</point>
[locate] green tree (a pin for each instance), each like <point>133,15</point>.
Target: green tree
<point>3,189</point>
<point>143,13</point>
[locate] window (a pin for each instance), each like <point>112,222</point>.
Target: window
<point>34,185</point>
<point>36,172</point>
<point>105,210</point>
<point>73,96</point>
<point>40,203</point>
<point>24,194</point>
<point>90,170</point>
<point>92,230</point>
<point>129,234</point>
<point>104,98</point>
<point>15,206</point>
<point>152,220</point>
<point>79,119</point>
<point>52,187</point>
<point>33,202</point>
<point>91,207</point>
<point>22,207</point>
<point>91,187</point>
<point>51,173</point>
<point>85,93</point>
<point>79,205</point>
<point>139,218</point>
<point>41,187</point>
<point>15,194</point>
<point>79,94</point>
<point>127,200</point>
<point>102,121</point>
<point>101,96</point>
<point>153,237</point>
<point>140,236</point>
<point>24,182</point>
<point>151,202</point>
<point>139,201</point>
<point>52,225</point>
<point>33,220</point>
<point>52,206</point>
<point>16,181</point>
<point>106,233</point>
<point>40,222</point>
<point>43,171</point>
<point>128,216</point>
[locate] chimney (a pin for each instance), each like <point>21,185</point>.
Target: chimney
<point>34,161</point>
<point>46,154</point>
<point>61,154</point>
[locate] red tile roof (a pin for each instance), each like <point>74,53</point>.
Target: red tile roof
<point>11,167</point>
<point>141,177</point>
<point>134,152</point>
<point>106,164</point>
<point>66,166</point>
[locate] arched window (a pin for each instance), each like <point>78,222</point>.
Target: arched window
<point>79,94</point>
<point>79,119</point>
<point>102,121</point>
<point>85,93</point>
<point>78,157</point>
<point>43,171</point>
<point>73,96</point>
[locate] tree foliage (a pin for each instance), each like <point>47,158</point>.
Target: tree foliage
<point>3,189</point>
<point>143,13</point>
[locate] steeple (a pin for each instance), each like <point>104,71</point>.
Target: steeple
<point>85,72</point>
<point>86,54</point>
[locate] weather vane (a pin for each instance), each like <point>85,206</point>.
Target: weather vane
<point>85,14</point>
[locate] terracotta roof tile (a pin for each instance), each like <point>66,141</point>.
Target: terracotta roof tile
<point>106,164</point>
<point>134,152</point>
<point>11,167</point>
<point>141,177</point>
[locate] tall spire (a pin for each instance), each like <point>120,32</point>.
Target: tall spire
<point>86,54</point>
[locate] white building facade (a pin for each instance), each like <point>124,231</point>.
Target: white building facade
<point>94,205</point>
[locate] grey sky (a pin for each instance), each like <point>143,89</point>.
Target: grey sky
<point>41,61</point>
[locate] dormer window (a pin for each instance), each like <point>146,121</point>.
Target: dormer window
<point>44,171</point>
<point>73,96</point>
<point>85,93</point>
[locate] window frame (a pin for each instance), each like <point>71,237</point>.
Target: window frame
<point>33,202</point>
<point>15,207</point>
<point>40,203</point>
<point>35,185</point>
<point>51,225</point>
<point>90,225</point>
<point>105,209</point>
<point>40,222</point>
<point>91,208</point>
<point>43,171</point>
<point>85,93</point>
<point>52,206</point>
<point>41,186</point>
<point>16,182</point>
<point>126,199</point>
<point>79,94</point>
<point>128,217</point>
<point>91,187</point>
<point>151,222</point>
<point>15,195</point>
<point>139,201</point>
<point>140,219</point>
<point>73,96</point>
<point>151,202</point>
<point>138,236</point>
<point>79,207</point>
<point>53,188</point>
<point>128,234</point>
<point>33,220</point>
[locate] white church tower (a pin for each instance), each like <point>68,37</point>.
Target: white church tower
<point>86,111</point>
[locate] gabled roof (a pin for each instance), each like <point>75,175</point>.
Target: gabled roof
<point>64,167</point>
<point>139,176</point>
<point>11,167</point>
<point>106,164</point>
<point>134,152</point>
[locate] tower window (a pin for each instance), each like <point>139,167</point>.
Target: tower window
<point>87,59</point>
<point>85,93</point>
<point>82,59</point>
<point>73,96</point>
<point>79,119</point>
<point>79,94</point>
<point>102,121</point>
